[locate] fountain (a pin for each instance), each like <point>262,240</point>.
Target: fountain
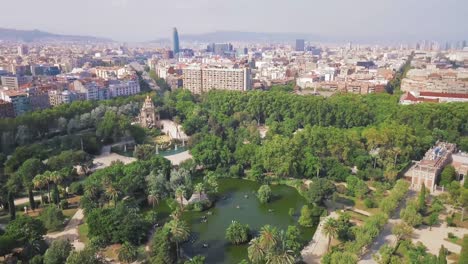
<point>175,148</point>
<point>125,148</point>
<point>183,142</point>
<point>157,149</point>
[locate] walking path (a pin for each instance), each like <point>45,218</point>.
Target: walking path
<point>318,246</point>
<point>179,158</point>
<point>70,232</point>
<point>434,238</point>
<point>25,200</point>
<point>386,236</point>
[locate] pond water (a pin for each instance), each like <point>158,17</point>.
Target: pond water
<point>239,202</point>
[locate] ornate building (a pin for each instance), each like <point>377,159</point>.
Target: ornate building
<point>149,118</point>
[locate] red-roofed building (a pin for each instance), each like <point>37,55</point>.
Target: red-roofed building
<point>431,97</point>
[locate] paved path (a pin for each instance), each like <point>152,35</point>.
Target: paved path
<point>179,158</point>
<point>105,160</point>
<point>386,236</point>
<point>434,238</point>
<point>318,246</point>
<point>25,200</point>
<point>70,232</point>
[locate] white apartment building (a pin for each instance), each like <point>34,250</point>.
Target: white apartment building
<point>199,79</point>
<point>124,88</point>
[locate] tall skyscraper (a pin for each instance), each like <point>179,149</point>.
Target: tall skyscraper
<point>300,45</point>
<point>176,42</point>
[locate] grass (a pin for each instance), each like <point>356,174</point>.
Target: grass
<point>357,216</point>
<point>69,213</point>
<point>83,233</point>
<point>112,251</point>
<point>464,223</point>
<point>455,240</point>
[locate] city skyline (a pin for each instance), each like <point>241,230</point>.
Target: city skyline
<point>389,20</point>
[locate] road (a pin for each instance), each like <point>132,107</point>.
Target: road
<point>139,68</point>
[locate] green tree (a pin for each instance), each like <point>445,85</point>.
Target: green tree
<point>442,258</point>
<point>432,220</point>
<point>464,252</point>
<point>462,201</point>
<point>27,171</point>
<point>306,216</point>
<point>87,256</point>
<point>52,217</point>
<point>319,190</point>
<point>330,229</point>
<point>58,252</point>
<point>26,229</point>
<point>237,233</point>
<point>422,199</point>
<point>264,193</point>
<point>128,253</point>
<point>255,251</point>
<point>447,176</point>
<point>162,249</point>
<point>411,215</point>
<point>402,231</point>
<point>180,232</point>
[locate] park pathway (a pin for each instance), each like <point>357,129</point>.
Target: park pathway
<point>386,236</point>
<point>317,247</point>
<point>70,232</point>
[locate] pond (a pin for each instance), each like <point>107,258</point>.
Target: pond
<point>239,202</point>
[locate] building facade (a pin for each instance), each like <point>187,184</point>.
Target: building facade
<point>124,88</point>
<point>199,79</point>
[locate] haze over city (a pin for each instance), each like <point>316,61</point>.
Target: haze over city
<point>146,20</point>
<point>234,132</point>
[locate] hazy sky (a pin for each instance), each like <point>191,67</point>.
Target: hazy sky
<point>142,20</point>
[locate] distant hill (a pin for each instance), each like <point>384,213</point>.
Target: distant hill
<point>231,36</point>
<point>37,35</point>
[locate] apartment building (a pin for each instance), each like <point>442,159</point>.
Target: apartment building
<point>14,82</point>
<point>123,88</point>
<point>200,79</point>
<point>19,100</point>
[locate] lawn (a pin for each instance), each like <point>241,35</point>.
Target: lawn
<point>83,233</point>
<point>459,223</point>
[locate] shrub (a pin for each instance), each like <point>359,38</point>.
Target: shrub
<point>306,216</point>
<point>237,233</point>
<point>369,203</point>
<point>76,188</point>
<point>52,217</point>
<point>264,193</point>
<point>57,252</point>
<point>64,204</point>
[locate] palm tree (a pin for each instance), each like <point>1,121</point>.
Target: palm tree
<point>56,177</point>
<point>255,251</point>
<point>113,194</point>
<point>199,188</point>
<point>330,229</point>
<point>180,232</point>
<point>180,193</point>
<point>153,199</point>
<point>268,237</point>
<point>39,182</point>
